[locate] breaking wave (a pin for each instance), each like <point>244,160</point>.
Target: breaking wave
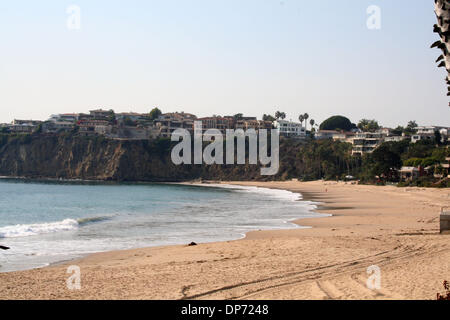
<point>26,230</point>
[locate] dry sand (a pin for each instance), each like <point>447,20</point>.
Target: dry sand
<point>396,229</point>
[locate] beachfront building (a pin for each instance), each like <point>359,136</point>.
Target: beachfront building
<point>421,137</point>
<point>218,122</point>
<point>100,114</point>
<point>169,122</point>
<point>57,126</point>
<point>325,134</point>
<point>85,116</point>
<point>345,136</point>
<point>231,123</point>
<point>26,122</point>
<point>245,123</point>
<point>290,129</point>
<point>133,116</point>
<point>390,136</point>
<point>409,173</point>
<point>395,138</point>
<point>88,127</point>
<point>264,124</point>
<point>366,142</point>
<point>23,126</point>
<point>385,131</point>
<point>64,117</point>
<point>335,135</point>
<point>429,133</point>
<point>253,124</point>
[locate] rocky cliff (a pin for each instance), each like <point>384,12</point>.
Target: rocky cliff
<point>96,158</point>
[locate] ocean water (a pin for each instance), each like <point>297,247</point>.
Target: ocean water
<point>49,222</point>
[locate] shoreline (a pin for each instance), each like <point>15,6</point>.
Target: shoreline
<point>393,228</point>
<point>291,223</point>
<point>294,221</point>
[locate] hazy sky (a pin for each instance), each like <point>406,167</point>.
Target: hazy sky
<point>223,57</point>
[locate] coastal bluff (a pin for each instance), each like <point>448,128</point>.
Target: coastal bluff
<point>97,158</point>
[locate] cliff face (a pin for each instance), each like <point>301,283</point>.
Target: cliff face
<point>96,158</point>
<point>59,157</point>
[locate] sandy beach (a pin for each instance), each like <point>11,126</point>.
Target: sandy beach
<point>396,229</point>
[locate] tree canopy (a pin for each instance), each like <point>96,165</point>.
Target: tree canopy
<point>111,116</point>
<point>280,115</point>
<point>336,123</point>
<point>368,125</point>
<point>154,114</point>
<point>411,127</point>
<point>384,160</point>
<point>268,117</point>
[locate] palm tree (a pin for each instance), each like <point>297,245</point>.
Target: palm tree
<point>306,117</point>
<point>442,9</point>
<point>312,122</point>
<point>277,115</point>
<point>280,115</point>
<point>301,118</point>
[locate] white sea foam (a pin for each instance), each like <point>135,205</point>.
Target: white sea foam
<point>26,230</point>
<point>273,193</point>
